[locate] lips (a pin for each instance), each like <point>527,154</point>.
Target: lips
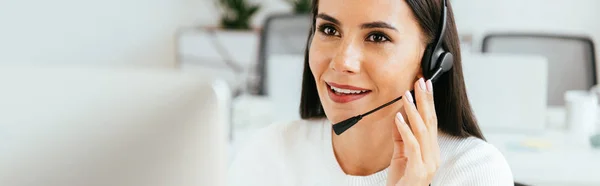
<point>345,93</point>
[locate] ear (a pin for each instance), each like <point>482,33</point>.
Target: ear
<point>419,74</point>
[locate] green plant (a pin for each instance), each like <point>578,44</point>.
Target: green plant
<point>237,14</point>
<point>301,6</point>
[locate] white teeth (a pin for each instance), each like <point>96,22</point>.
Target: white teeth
<point>346,91</point>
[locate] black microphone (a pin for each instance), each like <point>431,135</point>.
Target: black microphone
<point>342,126</point>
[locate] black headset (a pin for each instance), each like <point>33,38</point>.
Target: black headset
<point>436,60</point>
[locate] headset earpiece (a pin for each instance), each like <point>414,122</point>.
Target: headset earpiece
<point>426,67</point>
<point>435,59</point>
<point>446,61</point>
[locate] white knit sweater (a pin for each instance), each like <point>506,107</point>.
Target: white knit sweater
<point>300,153</point>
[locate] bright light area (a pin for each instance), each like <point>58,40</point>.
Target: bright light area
<point>94,85</point>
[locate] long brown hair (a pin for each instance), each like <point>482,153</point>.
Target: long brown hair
<point>452,106</point>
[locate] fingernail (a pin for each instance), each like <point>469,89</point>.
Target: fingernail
<point>399,116</point>
<point>408,96</point>
<point>422,84</point>
<point>429,86</point>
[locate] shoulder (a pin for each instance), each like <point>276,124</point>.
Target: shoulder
<point>471,161</point>
<point>261,158</point>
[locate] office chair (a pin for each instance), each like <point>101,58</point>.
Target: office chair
<point>281,34</point>
<point>571,59</point>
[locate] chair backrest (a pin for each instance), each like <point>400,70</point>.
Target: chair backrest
<point>571,59</point>
<point>282,34</point>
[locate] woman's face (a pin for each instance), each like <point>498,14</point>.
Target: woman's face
<point>364,53</point>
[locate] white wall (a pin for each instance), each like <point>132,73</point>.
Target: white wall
<point>552,14</point>
<point>138,32</point>
<point>574,17</point>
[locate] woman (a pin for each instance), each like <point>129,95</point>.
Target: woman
<point>360,55</point>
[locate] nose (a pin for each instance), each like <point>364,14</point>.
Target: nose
<point>347,59</point>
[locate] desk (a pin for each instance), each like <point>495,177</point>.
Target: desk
<point>559,163</point>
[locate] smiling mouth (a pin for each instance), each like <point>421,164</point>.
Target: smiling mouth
<point>341,91</point>
<point>345,93</point>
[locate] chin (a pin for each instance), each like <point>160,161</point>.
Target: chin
<point>338,118</point>
<point>336,115</point>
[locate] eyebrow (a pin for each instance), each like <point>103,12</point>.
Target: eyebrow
<point>329,18</point>
<point>376,24</point>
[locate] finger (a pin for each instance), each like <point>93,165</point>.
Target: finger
<point>412,149</point>
<point>415,120</point>
<point>418,127</point>
<point>398,142</point>
<point>436,151</point>
<point>414,162</point>
<point>425,104</point>
<point>426,107</point>
<point>398,161</point>
<point>431,120</point>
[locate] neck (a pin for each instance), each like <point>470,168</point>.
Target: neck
<point>367,147</point>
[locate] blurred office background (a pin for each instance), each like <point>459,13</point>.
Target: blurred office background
<point>543,52</point>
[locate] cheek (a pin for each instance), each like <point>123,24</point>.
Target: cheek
<point>393,74</point>
<point>389,80</point>
<point>318,63</point>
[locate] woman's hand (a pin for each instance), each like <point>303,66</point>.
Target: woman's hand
<point>416,151</point>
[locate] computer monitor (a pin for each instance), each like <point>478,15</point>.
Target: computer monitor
<point>507,92</point>
<point>112,126</point>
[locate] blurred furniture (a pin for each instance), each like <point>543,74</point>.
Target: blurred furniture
<point>504,97</point>
<point>116,126</point>
<point>571,59</point>
<point>282,34</point>
<point>223,53</point>
<point>548,158</point>
<point>509,103</point>
<point>284,85</point>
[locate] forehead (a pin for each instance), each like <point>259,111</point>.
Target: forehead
<point>355,12</point>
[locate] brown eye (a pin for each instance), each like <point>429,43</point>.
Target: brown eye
<point>328,30</point>
<point>377,38</point>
